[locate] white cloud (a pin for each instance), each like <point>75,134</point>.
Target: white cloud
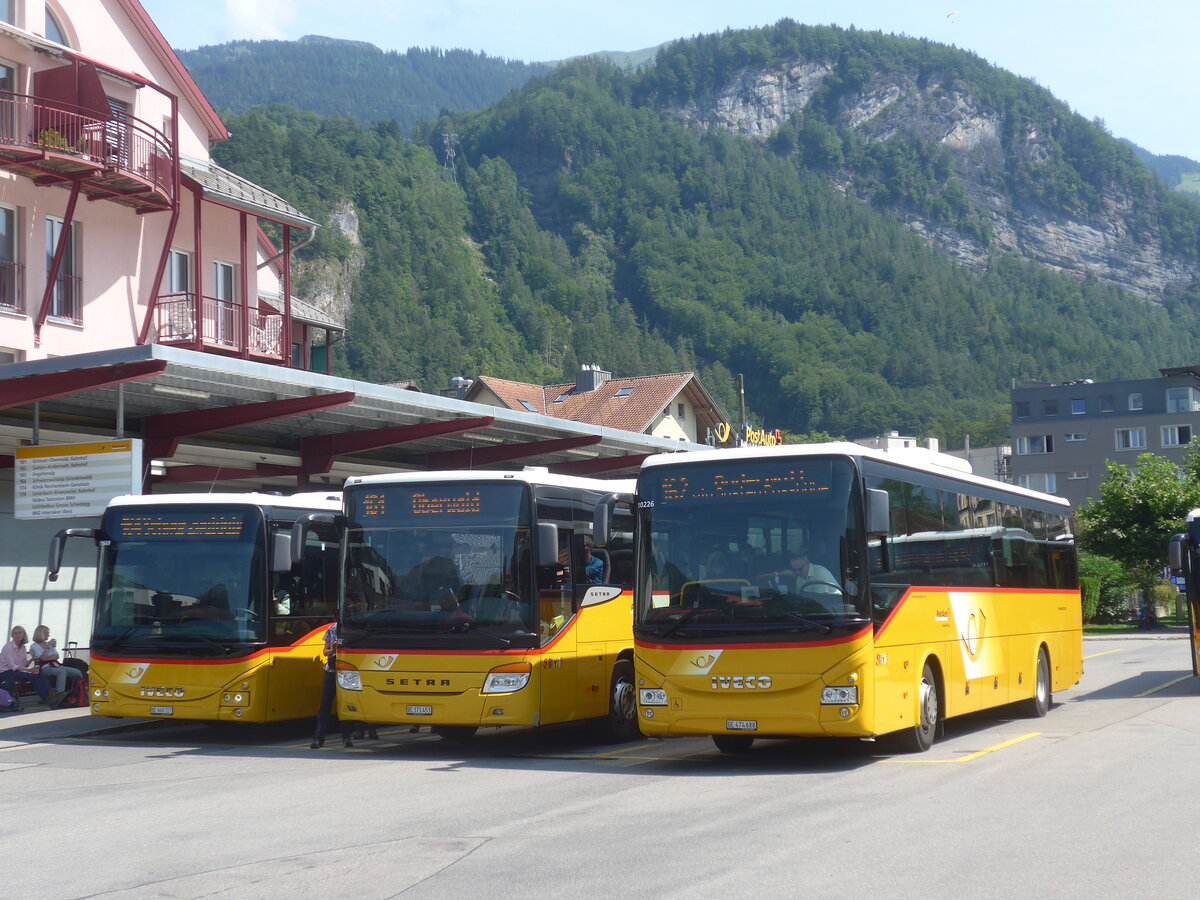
<point>258,20</point>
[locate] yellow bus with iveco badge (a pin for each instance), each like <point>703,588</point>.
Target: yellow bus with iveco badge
<point>834,590</point>
<point>474,599</point>
<point>199,613</point>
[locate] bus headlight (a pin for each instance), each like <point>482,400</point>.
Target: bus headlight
<point>652,697</point>
<point>349,680</point>
<point>506,679</point>
<point>839,696</point>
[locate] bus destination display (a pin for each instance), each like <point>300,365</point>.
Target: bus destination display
<point>457,502</point>
<point>178,526</point>
<point>733,484</point>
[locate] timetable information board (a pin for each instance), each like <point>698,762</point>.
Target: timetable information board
<point>67,480</point>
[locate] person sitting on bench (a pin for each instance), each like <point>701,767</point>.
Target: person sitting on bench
<point>17,668</point>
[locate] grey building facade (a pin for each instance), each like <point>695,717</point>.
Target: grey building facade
<point>1063,435</point>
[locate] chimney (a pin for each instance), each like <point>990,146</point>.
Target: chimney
<point>590,377</point>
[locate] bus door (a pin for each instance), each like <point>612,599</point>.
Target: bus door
<point>1184,563</point>
<point>556,603</point>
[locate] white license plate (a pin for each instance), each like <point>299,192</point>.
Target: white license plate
<point>741,725</point>
<point>419,710</point>
<point>162,710</point>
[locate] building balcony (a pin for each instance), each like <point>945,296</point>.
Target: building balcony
<point>121,159</point>
<point>216,326</point>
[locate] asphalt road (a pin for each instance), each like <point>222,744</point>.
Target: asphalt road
<point>1094,800</point>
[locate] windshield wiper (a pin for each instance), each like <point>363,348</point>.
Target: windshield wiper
<point>120,638</point>
<point>687,616</point>
<point>812,624</point>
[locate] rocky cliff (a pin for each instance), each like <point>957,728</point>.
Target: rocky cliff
<point>1116,240</point>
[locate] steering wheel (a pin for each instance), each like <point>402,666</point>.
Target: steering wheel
<point>245,613</point>
<point>821,583</point>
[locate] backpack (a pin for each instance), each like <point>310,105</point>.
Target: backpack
<point>6,700</point>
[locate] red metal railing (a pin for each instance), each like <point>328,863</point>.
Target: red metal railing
<point>12,274</point>
<point>220,325</point>
<point>124,143</point>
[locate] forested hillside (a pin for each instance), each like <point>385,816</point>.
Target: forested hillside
<point>592,220</point>
<point>352,78</point>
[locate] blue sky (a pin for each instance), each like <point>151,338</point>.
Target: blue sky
<point>1134,65</point>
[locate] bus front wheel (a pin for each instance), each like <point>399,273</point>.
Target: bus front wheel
<point>919,737</point>
<point>733,743</point>
<point>1039,704</point>
<point>621,723</point>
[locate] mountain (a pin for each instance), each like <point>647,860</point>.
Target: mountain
<point>877,232</point>
<point>1176,172</point>
<point>353,78</point>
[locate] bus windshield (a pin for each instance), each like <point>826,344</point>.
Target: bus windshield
<point>439,565</point>
<point>185,579</point>
<point>749,550</point>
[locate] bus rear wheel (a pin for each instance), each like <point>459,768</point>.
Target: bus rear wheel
<point>919,737</point>
<point>1039,704</point>
<point>455,733</point>
<point>733,743</point>
<point>621,723</point>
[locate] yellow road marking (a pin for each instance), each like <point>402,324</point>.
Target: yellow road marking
<point>970,756</point>
<point>1103,653</point>
<point>1155,690</point>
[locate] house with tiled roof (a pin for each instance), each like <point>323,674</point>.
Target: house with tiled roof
<point>673,406</point>
<point>116,227</point>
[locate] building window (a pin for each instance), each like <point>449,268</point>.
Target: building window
<point>8,110</point>
<point>1131,438</point>
<point>1078,406</point>
<point>11,270</point>
<point>1176,435</point>
<point>179,272</point>
<point>1021,409</point>
<point>561,397</point>
<point>1135,401</point>
<point>1182,400</point>
<point>8,12</point>
<point>1035,444</point>
<point>1044,483</point>
<point>623,392</point>
<point>9,356</point>
<point>1107,403</point>
<point>67,300</point>
<point>1050,407</point>
<point>529,406</point>
<point>54,29</point>
<point>682,412</point>
<point>1077,476</point>
<point>1075,436</point>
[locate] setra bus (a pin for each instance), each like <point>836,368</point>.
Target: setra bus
<point>835,590</point>
<point>474,599</point>
<point>1184,559</point>
<point>199,612</point>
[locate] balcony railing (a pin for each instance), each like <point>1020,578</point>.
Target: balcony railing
<point>219,325</point>
<point>113,156</point>
<point>12,275</point>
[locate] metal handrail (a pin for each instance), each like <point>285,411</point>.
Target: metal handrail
<point>220,324</point>
<point>12,277</point>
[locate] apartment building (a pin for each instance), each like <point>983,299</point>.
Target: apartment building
<point>1063,435</point>
<point>116,228</point>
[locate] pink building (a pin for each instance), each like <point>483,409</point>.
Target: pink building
<point>116,228</point>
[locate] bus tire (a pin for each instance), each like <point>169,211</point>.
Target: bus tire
<point>733,743</point>
<point>621,723</point>
<point>1039,704</point>
<point>455,733</point>
<point>919,737</point>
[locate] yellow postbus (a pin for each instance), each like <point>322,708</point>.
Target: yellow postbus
<point>199,613</point>
<point>834,590</point>
<point>1184,557</point>
<point>474,599</point>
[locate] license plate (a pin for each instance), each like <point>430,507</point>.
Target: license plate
<point>419,710</point>
<point>162,710</point>
<point>741,725</point>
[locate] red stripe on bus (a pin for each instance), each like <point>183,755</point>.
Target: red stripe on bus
<point>103,657</point>
<point>858,635</point>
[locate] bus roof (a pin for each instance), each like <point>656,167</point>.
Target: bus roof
<point>320,500</point>
<point>918,459</point>
<point>529,475</point>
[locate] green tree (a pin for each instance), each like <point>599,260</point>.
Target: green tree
<point>1114,583</point>
<point>1138,510</point>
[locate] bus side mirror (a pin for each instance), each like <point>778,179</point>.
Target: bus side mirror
<point>58,543</point>
<point>547,544</point>
<point>281,551</point>
<point>1177,555</point>
<point>877,512</point>
<point>300,529</point>
<point>605,513</point>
